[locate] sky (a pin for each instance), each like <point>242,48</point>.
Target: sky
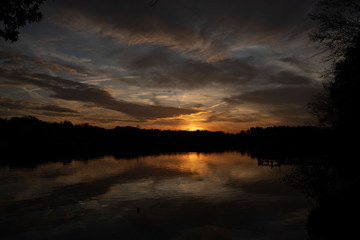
<point>182,65</point>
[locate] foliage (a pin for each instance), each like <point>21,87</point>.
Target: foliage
<point>17,13</point>
<point>339,31</point>
<point>339,25</point>
<point>323,108</point>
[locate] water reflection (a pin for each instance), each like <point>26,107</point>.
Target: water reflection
<point>168,196</point>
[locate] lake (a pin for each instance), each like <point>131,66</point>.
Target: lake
<point>167,196</point>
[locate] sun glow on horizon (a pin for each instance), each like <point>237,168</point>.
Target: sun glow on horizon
<point>192,128</point>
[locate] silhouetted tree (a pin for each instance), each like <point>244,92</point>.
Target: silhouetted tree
<point>339,25</point>
<point>344,89</point>
<point>339,31</point>
<point>336,107</point>
<point>323,107</point>
<point>17,13</point>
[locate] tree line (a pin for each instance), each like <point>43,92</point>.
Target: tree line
<point>29,135</point>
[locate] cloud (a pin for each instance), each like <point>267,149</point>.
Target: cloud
<point>57,109</point>
<point>165,69</point>
<point>284,105</point>
<point>239,60</point>
<point>25,108</point>
<point>75,91</point>
<point>15,60</point>
<point>275,96</point>
<point>206,30</point>
<point>244,118</point>
<point>290,78</point>
<point>11,104</point>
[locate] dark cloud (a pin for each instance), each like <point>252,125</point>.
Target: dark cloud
<point>283,105</point>
<point>203,28</point>
<point>276,96</point>
<point>164,68</point>
<point>242,119</point>
<point>292,60</point>
<point>75,91</point>
<point>289,78</point>
<point>10,106</point>
<point>58,109</point>
<point>15,60</point>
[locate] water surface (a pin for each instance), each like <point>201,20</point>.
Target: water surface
<point>169,196</point>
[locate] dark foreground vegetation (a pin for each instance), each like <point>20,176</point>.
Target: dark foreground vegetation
<point>29,136</point>
<point>334,186</point>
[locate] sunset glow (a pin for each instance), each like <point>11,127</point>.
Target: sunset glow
<point>193,128</point>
